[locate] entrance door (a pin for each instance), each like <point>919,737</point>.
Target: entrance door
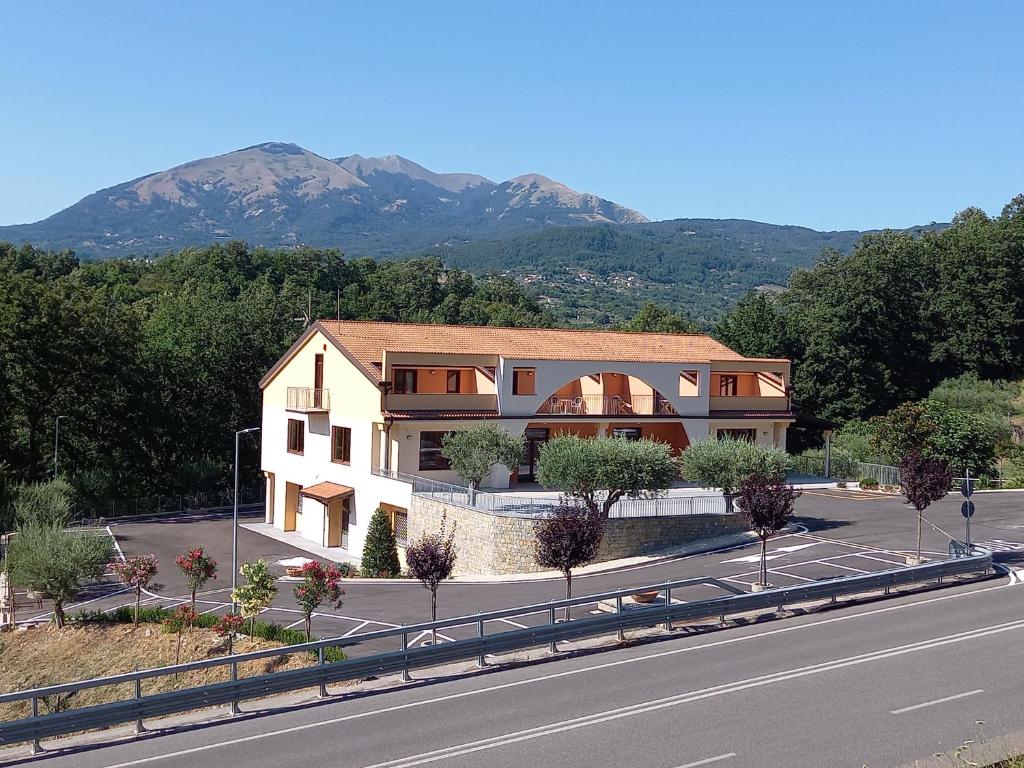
<point>318,382</point>
<point>346,510</point>
<point>271,492</point>
<point>535,439</point>
<point>334,515</point>
<point>291,504</point>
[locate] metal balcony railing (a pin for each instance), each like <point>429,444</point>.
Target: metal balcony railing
<point>308,399</point>
<point>608,405</point>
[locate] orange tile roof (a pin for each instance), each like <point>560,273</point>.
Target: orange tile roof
<point>367,341</point>
<point>326,491</point>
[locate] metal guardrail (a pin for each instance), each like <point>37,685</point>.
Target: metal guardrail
<point>539,505</point>
<point>140,707</point>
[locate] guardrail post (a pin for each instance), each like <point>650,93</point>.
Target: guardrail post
<point>619,634</point>
<point>405,651</point>
<point>36,748</point>
<point>668,606</point>
<point>139,727</point>
<point>552,648</point>
<point>321,659</point>
<point>481,662</point>
<point>233,709</point>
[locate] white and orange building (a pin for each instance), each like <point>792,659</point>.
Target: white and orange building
<point>352,406</point>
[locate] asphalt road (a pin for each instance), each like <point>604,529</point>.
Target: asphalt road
<point>881,684</point>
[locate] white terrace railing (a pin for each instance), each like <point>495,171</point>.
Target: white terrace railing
<point>607,405</point>
<point>540,504</point>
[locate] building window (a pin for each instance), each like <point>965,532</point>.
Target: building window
<point>727,386</point>
<point>524,381</point>
<point>430,451</point>
<point>296,436</point>
<point>405,381</point>
<point>750,435</point>
<point>399,523</point>
<point>453,382</point>
<point>341,445</point>
<point>630,433</point>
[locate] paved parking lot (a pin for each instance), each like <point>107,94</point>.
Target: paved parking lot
<point>842,533</point>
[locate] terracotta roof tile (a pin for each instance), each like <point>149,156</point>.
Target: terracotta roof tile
<point>367,341</point>
<point>325,491</point>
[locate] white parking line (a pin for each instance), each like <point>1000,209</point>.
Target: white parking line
<point>937,701</point>
<point>780,572</point>
<point>514,623</point>
<point>830,564</point>
<point>355,629</point>
<point>709,760</point>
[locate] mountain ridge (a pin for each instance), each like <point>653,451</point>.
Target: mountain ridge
<point>280,194</point>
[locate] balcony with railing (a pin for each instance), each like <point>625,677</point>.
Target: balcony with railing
<point>607,405</point>
<point>309,399</point>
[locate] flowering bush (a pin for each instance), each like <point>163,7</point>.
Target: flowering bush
<point>257,593</point>
<point>198,568</point>
<point>320,584</point>
<point>228,626</point>
<point>183,617</point>
<point>138,573</point>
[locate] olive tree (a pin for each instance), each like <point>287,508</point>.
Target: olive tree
<point>924,479</point>
<point>568,538</point>
<point>723,463</point>
<point>601,471</point>
<point>57,563</point>
<point>766,501</point>
<point>472,453</point>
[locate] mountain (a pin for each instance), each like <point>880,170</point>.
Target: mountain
<point>277,194</point>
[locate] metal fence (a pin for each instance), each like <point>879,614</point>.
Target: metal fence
<point>541,504</point>
<point>140,707</point>
<point>165,503</point>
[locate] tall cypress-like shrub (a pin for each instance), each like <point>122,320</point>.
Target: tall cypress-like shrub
<point>380,552</point>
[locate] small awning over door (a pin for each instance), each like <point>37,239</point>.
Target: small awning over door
<point>327,492</point>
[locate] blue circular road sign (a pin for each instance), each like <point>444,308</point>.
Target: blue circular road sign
<point>967,508</point>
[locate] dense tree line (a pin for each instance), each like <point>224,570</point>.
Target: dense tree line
<point>895,317</point>
<point>154,364</point>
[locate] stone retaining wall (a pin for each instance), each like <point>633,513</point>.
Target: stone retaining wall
<point>490,544</point>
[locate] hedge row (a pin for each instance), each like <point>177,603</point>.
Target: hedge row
<point>266,630</point>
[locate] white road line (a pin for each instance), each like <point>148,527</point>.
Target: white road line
<point>937,701</point>
<point>830,564</point>
<point>653,705</point>
<point>709,760</point>
<point>217,607</point>
<point>902,561</point>
<point>355,629</point>
<point>518,625</point>
<point>553,676</point>
<point>780,572</point>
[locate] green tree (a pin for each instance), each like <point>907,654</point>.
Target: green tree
<point>57,563</point>
<point>473,452</point>
<point>652,318</point>
<point>48,503</point>
<point>256,595</point>
<point>725,462</point>
<point>380,551</point>
<point>756,327</point>
<point>601,471</point>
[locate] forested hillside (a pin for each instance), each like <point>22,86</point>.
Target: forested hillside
<point>897,316</point>
<point>602,274</point>
<point>154,365</point>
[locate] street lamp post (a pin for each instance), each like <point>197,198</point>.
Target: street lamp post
<point>56,443</point>
<point>234,522</point>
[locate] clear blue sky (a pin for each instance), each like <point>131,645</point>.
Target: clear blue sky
<point>828,114</point>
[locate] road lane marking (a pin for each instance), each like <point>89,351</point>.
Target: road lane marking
<point>355,629</point>
<point>645,707</point>
<point>542,678</point>
<point>709,760</point>
<point>937,701</point>
<point>521,626</point>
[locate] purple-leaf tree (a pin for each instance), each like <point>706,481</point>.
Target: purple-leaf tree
<point>924,479</point>
<point>320,584</point>
<point>137,572</point>
<point>431,559</point>
<point>766,500</point>
<point>567,539</point>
